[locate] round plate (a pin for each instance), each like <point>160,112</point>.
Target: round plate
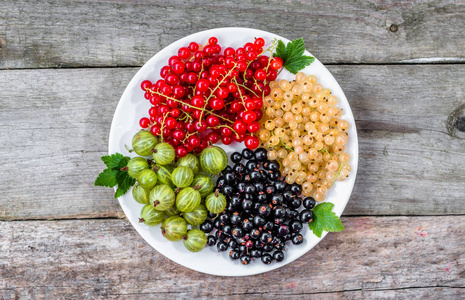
<point>132,106</point>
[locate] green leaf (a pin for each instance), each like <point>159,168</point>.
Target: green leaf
<point>113,161</point>
<point>106,178</point>
<point>293,56</point>
<point>124,183</point>
<point>324,219</point>
<point>115,174</point>
<point>281,50</point>
<point>298,65</point>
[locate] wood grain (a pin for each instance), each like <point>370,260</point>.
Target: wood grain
<point>44,34</point>
<point>55,125</point>
<point>388,257</point>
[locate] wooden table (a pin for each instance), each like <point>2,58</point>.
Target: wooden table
<point>65,64</point>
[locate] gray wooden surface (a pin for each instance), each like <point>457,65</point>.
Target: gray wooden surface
<point>65,64</point>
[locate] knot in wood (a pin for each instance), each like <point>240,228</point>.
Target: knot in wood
<point>393,28</point>
<point>456,122</point>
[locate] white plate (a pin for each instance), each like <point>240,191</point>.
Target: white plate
<point>132,106</point>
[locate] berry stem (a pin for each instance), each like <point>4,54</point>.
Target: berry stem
<point>163,126</point>
<point>213,91</point>
<point>240,93</point>
<point>338,172</point>
<point>237,134</point>
<point>238,84</point>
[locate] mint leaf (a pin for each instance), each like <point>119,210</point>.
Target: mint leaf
<point>115,174</point>
<point>124,183</point>
<point>113,161</point>
<point>324,219</point>
<point>106,178</point>
<point>292,55</point>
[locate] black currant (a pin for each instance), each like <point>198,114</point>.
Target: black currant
<point>236,157</point>
<point>245,259</point>
<point>237,232</point>
<point>278,256</point>
<point>234,254</point>
<point>222,246</point>
<point>295,226</point>
<point>211,240</point>
<point>266,259</point>
<point>309,202</point>
<point>260,154</point>
<point>206,226</point>
<point>297,239</point>
<point>247,153</point>
<point>306,216</point>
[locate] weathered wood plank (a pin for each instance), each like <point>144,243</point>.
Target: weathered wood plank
<point>393,257</point>
<point>55,125</point>
<point>42,34</point>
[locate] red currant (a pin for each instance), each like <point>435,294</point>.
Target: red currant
<point>178,67</point>
<point>226,140</point>
<point>251,55</point>
<point>251,142</point>
<point>213,40</point>
<point>239,137</point>
<point>200,126</point>
<point>184,53</point>
<point>253,127</point>
<point>216,103</point>
<point>181,151</point>
<point>170,123</point>
<point>222,93</point>
<point>155,130</point>
<point>145,84</point>
<point>178,93</point>
<point>167,132</point>
<point>225,131</point>
<point>193,46</point>
<point>164,71</point>
<point>276,63</point>
<point>272,75</point>
<point>239,126</point>
<point>153,112</point>
<point>258,103</point>
<point>260,74</point>
<point>173,59</point>
<point>190,127</point>
<point>144,122</point>
<point>213,137</point>
<point>194,141</point>
<point>202,85</point>
<point>179,135</point>
<point>198,101</point>
<point>249,117</point>
<point>192,78</point>
<point>212,121</point>
<point>172,79</point>
<point>229,51</point>
<point>249,104</point>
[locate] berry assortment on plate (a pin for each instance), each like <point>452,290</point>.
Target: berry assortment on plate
<point>255,207</point>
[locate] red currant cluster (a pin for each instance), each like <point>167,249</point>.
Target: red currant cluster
<point>205,96</point>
